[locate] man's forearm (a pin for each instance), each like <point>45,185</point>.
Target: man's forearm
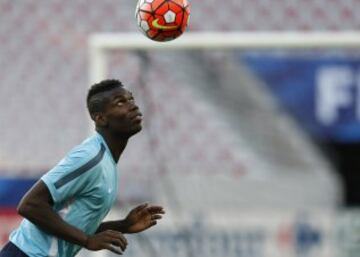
<point>117,225</point>
<point>51,222</point>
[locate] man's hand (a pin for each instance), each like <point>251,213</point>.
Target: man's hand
<point>111,240</point>
<point>143,217</point>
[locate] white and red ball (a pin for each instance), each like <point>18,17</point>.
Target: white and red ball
<point>162,20</point>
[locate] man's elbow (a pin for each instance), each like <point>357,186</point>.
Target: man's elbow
<point>35,201</point>
<point>26,209</point>
<point>22,209</point>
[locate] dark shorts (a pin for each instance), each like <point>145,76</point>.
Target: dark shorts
<point>11,250</point>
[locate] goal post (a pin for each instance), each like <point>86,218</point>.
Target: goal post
<point>99,43</point>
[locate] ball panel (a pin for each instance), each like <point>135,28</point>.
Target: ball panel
<point>169,16</point>
<point>152,33</point>
<point>173,33</point>
<point>162,38</point>
<point>146,16</point>
<point>179,19</point>
<point>185,23</point>
<point>146,7</point>
<point>181,3</point>
<point>138,18</point>
<point>144,25</point>
<point>162,9</point>
<point>157,4</point>
<point>186,17</point>
<point>175,8</point>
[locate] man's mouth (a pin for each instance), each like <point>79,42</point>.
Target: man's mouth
<point>137,117</point>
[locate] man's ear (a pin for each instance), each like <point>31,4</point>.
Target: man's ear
<point>100,119</point>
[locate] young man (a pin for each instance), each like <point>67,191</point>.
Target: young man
<point>64,210</point>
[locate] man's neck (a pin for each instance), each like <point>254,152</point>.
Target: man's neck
<point>116,144</point>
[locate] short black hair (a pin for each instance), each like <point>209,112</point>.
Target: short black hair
<point>96,104</point>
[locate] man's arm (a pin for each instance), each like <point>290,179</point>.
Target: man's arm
<point>139,219</point>
<point>117,225</point>
<point>36,206</point>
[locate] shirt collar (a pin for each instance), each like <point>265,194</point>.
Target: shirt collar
<point>101,138</point>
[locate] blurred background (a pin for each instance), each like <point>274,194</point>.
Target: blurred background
<point>252,153</point>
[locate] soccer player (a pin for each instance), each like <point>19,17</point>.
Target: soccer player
<point>63,211</point>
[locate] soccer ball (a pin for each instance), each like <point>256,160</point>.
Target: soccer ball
<point>162,20</point>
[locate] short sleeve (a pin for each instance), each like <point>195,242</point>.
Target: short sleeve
<point>73,175</point>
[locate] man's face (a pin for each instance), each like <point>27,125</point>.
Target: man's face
<point>122,115</point>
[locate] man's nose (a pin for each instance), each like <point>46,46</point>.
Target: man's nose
<point>134,107</point>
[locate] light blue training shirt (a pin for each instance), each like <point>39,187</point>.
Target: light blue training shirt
<point>83,187</point>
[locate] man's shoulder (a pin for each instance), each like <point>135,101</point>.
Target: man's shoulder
<point>87,150</point>
<point>91,145</point>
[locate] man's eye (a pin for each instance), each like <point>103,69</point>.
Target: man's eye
<point>119,103</point>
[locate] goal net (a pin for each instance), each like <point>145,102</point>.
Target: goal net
<point>217,151</point>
